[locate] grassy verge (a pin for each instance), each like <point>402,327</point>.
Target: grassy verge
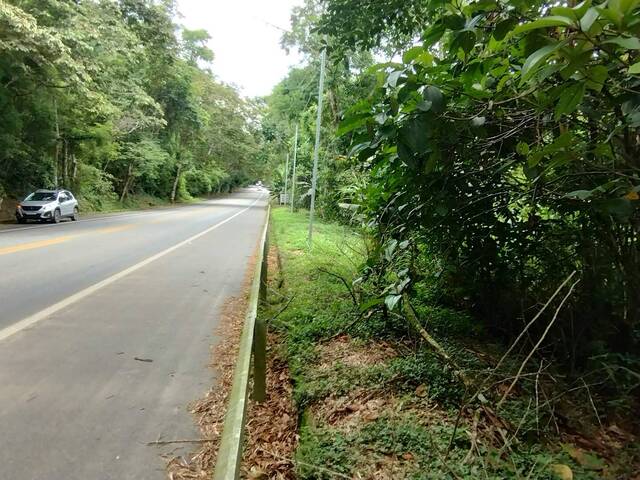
<point>375,401</point>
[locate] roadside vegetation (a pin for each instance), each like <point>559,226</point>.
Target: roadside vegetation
<point>490,171</point>
<point>375,399</point>
<point>113,100</point>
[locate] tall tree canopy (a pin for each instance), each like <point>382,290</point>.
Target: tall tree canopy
<point>111,98</point>
<point>502,139</point>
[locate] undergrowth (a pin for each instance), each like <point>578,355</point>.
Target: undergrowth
<point>405,413</point>
<point>109,204</point>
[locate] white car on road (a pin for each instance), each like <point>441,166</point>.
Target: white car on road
<point>48,205</point>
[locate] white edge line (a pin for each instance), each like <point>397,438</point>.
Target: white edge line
<point>35,318</point>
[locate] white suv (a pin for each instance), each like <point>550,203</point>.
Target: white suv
<point>47,205</point>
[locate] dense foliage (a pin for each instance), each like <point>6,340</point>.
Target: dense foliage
<point>504,143</point>
<point>111,98</point>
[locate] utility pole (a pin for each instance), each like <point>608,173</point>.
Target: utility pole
<point>286,178</point>
<point>293,178</point>
<point>316,150</point>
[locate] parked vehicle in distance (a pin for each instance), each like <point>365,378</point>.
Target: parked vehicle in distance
<point>48,205</point>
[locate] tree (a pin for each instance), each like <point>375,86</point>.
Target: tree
<point>111,99</point>
<point>505,143</point>
<point>501,141</point>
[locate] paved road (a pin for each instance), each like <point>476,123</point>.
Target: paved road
<point>80,301</point>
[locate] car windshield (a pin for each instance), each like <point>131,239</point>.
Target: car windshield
<point>41,196</point>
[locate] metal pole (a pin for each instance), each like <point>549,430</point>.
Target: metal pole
<point>316,150</point>
<point>286,178</point>
<point>293,178</point>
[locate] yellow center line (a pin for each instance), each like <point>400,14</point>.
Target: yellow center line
<point>57,240</point>
<point>31,245</point>
<point>119,228</point>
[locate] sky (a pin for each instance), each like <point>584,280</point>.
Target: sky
<point>245,39</point>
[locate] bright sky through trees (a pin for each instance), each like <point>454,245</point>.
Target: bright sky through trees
<point>245,39</point>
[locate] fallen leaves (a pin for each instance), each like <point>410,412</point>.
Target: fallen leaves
<point>352,410</point>
<point>271,432</point>
<point>272,426</point>
<point>344,350</point>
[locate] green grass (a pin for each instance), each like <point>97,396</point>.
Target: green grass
<point>414,432</point>
<point>305,277</point>
<point>419,451</point>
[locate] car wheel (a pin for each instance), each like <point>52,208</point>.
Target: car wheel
<point>76,212</point>
<point>56,216</point>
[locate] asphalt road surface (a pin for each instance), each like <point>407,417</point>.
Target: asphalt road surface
<point>81,301</point>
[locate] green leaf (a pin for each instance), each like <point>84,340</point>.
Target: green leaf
<point>465,40</point>
<point>582,8</point>
<point>391,301</point>
<point>415,135</point>
<point>589,18</point>
<point>350,124</point>
<point>621,208</point>
<point>563,12</point>
<point>411,54</point>
<point>536,58</point>
<point>522,148</point>
<point>546,22</point>
<point>596,76</point>
<point>577,62</point>
<point>368,304</point>
<point>425,59</point>
<point>503,28</point>
<point>433,34</point>
<point>579,194</point>
<point>533,160</point>
<point>611,14</point>
<point>634,69</point>
<point>454,22</point>
<point>570,99</point>
<point>432,162</point>
<point>630,43</point>
<point>572,12</point>
<point>442,210</point>
<point>434,95</point>
<point>622,6</point>
<point>359,148</point>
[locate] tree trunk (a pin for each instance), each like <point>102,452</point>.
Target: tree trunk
<point>127,183</point>
<point>65,165</point>
<point>335,108</point>
<point>56,159</point>
<point>175,185</point>
<point>74,171</point>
